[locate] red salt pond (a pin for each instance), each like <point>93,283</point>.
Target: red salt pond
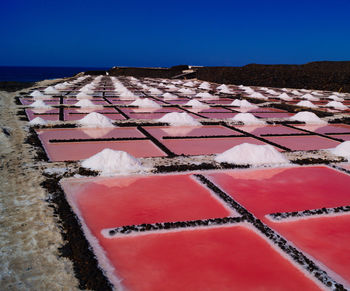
<point>326,238</point>
<point>344,137</point>
<point>224,258</point>
<point>43,113</point>
<point>331,128</point>
<point>268,191</point>
<point>269,129</point>
<point>303,143</point>
<point>72,151</point>
<point>111,202</point>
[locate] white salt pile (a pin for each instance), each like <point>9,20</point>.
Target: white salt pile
<point>226,91</point>
<point>258,96</point>
<point>247,118</point>
<point>60,86</point>
<point>335,98</point>
<point>296,92</point>
<point>251,154</point>
<point>145,103</point>
<point>204,86</point>
<point>40,104</point>
<point>249,90</point>
<point>171,87</point>
<point>127,95</point>
<point>342,150</point>
<point>37,94</point>
<point>189,84</point>
<point>222,87</point>
<point>316,93</point>
<point>110,162</point>
<point>206,95</point>
<point>86,103</point>
<point>196,104</point>
<point>86,90</point>
<point>186,91</point>
<point>243,104</point>
<point>38,121</point>
<point>51,90</point>
<point>307,117</point>
<point>306,103</point>
<point>336,105</point>
<point>155,91</point>
<point>310,97</point>
<point>179,119</point>
<point>169,96</point>
<point>285,97</point>
<point>83,95</point>
<point>95,119</point>
<point>272,92</point>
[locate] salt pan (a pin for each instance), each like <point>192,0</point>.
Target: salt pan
<point>251,154</point>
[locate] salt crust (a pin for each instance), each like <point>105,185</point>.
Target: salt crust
<point>342,150</point>
<point>251,154</point>
<point>145,103</point>
<point>179,119</point>
<point>111,162</point>
<point>247,118</point>
<point>95,119</point>
<point>307,117</point>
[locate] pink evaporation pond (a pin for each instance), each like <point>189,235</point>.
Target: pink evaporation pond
<point>208,130</point>
<point>95,101</point>
<point>112,202</point>
<point>267,109</point>
<point>325,238</point>
<point>149,113</point>
<point>303,143</point>
<point>118,101</point>
<point>331,128</point>
<point>269,191</point>
<point>272,114</point>
<point>29,101</point>
<point>269,129</point>
<point>72,151</point>
<point>222,258</point>
<point>218,115</point>
<point>344,137</point>
<point>221,101</point>
<point>178,101</point>
<point>77,114</point>
<point>44,114</point>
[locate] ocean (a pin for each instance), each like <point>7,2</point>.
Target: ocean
<point>33,74</point>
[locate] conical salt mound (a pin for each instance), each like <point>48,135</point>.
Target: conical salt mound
<point>111,162</point>
<point>83,95</point>
<point>285,97</point>
<point>336,105</point>
<point>206,95</point>
<point>145,103</point>
<point>37,94</point>
<point>243,104</point>
<point>95,119</point>
<point>179,119</point>
<point>51,90</point>
<point>40,104</point>
<point>307,117</point>
<point>306,103</point>
<point>85,103</point>
<point>169,96</point>
<point>196,104</point>
<point>342,150</point>
<point>247,118</point>
<point>251,154</point>
<point>38,121</point>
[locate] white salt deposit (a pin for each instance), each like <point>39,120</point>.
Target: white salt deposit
<point>247,118</point>
<point>342,150</point>
<point>336,105</point>
<point>335,98</point>
<point>95,119</point>
<point>306,103</point>
<point>169,96</point>
<point>316,93</point>
<point>171,87</point>
<point>110,162</point>
<point>40,104</point>
<point>285,97</point>
<point>205,86</point>
<point>86,90</point>
<point>85,103</point>
<point>196,104</point>
<point>155,91</point>
<point>186,91</point>
<point>51,90</point>
<point>251,154</point>
<point>272,92</point>
<point>189,84</point>
<point>60,86</point>
<point>307,117</point>
<point>83,95</point>
<point>179,119</point>
<point>38,121</point>
<point>243,103</point>
<point>258,96</point>
<point>127,95</point>
<point>221,87</point>
<point>225,90</point>
<point>206,95</point>
<point>310,97</point>
<point>145,103</point>
<point>249,90</point>
<point>296,92</point>
<point>36,94</point>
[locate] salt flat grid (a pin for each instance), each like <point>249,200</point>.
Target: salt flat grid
<point>138,132</point>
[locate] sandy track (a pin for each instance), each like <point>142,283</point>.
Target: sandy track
<point>29,237</point>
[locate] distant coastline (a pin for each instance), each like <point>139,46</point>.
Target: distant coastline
<point>34,74</point>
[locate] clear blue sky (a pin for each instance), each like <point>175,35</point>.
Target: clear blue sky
<point>165,33</point>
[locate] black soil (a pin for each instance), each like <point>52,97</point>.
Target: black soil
<point>12,86</point>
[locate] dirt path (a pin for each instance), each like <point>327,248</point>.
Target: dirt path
<point>29,237</point>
